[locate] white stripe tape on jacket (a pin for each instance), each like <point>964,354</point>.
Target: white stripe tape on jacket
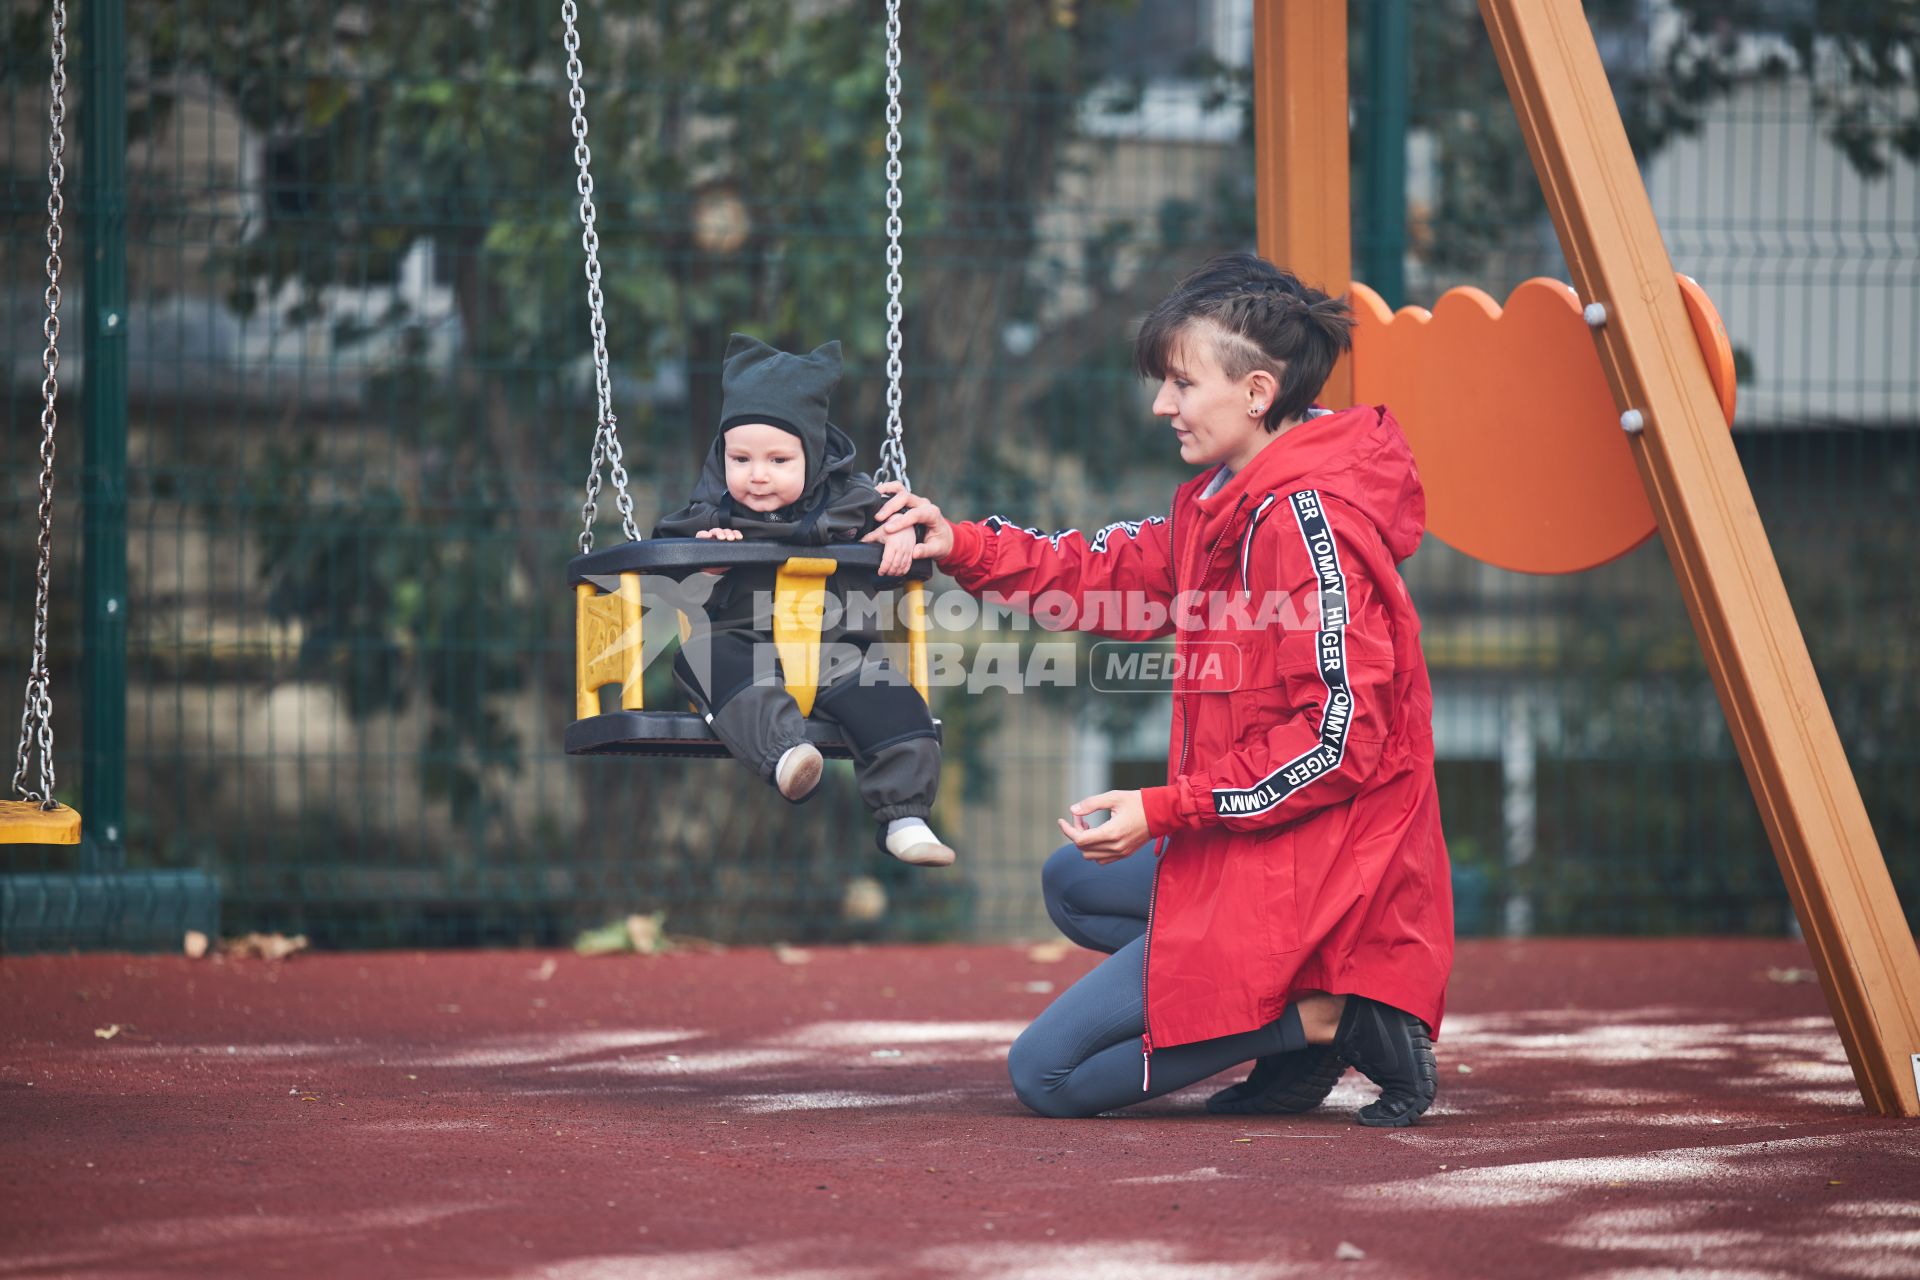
<point>1331,644</point>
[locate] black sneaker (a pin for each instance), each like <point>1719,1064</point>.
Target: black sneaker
<point>1392,1049</point>
<point>1282,1084</point>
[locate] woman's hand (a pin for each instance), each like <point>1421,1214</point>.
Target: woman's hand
<point>896,554</point>
<point>719,535</point>
<point>904,511</point>
<point>1124,830</point>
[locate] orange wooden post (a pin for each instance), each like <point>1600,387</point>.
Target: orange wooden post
<point>1300,124</point>
<point>1792,754</point>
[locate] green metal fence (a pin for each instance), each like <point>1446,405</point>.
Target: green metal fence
<point>339,428</point>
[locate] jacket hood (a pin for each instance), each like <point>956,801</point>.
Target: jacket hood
<point>759,383</point>
<point>1358,455</point>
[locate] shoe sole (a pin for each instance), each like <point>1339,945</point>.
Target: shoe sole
<point>928,853</point>
<point>805,777</point>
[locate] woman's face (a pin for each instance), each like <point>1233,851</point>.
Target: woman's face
<point>1214,418</point>
<point>766,468</point>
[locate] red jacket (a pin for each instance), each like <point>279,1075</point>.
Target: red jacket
<point>1304,850</point>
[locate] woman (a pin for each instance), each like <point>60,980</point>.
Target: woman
<point>1285,896</point>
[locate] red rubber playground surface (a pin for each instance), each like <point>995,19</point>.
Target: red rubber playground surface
<point>1614,1108</point>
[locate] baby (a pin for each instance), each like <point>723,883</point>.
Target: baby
<point>780,472</point>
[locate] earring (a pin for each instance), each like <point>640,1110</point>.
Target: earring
<point>1256,411</point>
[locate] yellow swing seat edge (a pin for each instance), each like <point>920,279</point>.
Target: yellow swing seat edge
<point>25,822</point>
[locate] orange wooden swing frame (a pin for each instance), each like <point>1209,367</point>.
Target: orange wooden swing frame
<point>1641,397</point>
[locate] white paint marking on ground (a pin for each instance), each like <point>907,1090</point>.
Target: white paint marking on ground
<point>711,1061</point>
<point>1113,1260</point>
<point>1026,1260</point>
<point>1208,1174</point>
<point>270,1050</point>
<point>106,1244</point>
<point>755,1262</point>
<point>1546,1181</point>
<point>767,1104</point>
<point>862,1035</point>
<point>1876,1209</point>
<point>553,1050</point>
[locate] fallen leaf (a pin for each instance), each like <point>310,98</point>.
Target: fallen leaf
<point>1243,1139</point>
<point>1039,988</point>
<point>1464,1069</point>
<point>647,934</point>
<point>886,1053</point>
<point>791,955</point>
<point>264,946</point>
<point>547,969</point>
<point>107,1033</point>
<point>1791,975</point>
<point>194,945</point>
<point>1836,1182</point>
<point>1345,1252</point>
<point>605,940</point>
<point>1049,952</point>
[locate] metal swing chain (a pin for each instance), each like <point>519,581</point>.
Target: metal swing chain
<point>606,436</point>
<point>893,453</point>
<point>36,717</point>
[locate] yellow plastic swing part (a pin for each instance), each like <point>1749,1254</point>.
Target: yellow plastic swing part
<point>608,636</point>
<point>799,604</point>
<point>24,822</point>
<point>607,645</point>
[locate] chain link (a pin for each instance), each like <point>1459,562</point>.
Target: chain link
<point>893,452</point>
<point>606,436</point>
<point>36,716</point>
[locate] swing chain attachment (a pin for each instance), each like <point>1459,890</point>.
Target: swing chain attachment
<point>893,453</point>
<point>36,718</point>
<point>606,436</point>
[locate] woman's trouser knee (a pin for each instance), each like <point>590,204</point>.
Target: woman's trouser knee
<point>1102,906</point>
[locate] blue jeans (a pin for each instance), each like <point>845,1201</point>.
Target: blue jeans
<point>1083,1055</point>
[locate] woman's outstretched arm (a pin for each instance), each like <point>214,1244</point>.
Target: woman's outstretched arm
<point>1118,582</point>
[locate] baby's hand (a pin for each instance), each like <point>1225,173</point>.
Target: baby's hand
<point>718,535</point>
<point>896,553</point>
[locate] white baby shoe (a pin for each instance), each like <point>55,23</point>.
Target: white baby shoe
<point>798,772</point>
<point>911,840</point>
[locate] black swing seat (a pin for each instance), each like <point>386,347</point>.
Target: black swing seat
<point>681,733</point>
<point>608,634</point>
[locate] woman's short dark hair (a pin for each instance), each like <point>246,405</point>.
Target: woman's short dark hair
<point>1256,317</point>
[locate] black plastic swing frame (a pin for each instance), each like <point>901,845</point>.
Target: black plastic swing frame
<point>684,733</point>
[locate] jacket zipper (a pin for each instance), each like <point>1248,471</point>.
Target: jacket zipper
<point>1246,544</point>
<point>1186,742</point>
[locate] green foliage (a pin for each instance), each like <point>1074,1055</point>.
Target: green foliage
<point>1861,56</point>
<point>394,124</point>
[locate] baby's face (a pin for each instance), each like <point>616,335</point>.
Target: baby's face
<point>766,468</point>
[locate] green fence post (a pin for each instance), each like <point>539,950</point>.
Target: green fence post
<point>1383,177</point>
<point>104,478</point>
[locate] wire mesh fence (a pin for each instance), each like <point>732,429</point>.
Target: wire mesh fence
<point>358,407</point>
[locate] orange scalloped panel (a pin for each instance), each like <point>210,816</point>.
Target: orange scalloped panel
<point>1512,422</point>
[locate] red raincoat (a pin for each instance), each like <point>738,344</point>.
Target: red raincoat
<point>1304,850</point>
